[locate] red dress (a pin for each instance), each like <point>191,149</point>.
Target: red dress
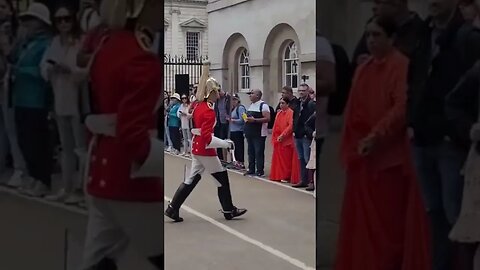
<point>383,222</point>
<point>127,82</point>
<point>284,153</point>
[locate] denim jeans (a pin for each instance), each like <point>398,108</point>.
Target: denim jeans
<point>256,154</point>
<point>303,150</point>
<point>187,139</point>
<point>439,168</point>
<point>167,139</point>
<point>72,139</point>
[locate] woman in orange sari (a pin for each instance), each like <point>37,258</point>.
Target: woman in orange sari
<point>282,141</point>
<point>383,223</point>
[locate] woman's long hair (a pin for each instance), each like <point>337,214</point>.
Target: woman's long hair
<point>13,20</point>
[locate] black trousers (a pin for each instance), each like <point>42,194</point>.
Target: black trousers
<point>239,140</point>
<point>221,132</point>
<point>175,137</point>
<point>34,140</point>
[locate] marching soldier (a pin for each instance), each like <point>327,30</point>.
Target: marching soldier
<point>204,155</point>
<point>125,159</point>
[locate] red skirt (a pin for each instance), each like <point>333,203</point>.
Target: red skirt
<point>281,162</point>
<point>383,222</point>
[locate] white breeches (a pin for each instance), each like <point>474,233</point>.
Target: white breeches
<point>113,226</point>
<point>200,164</point>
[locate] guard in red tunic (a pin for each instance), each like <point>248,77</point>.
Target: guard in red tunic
<point>204,155</point>
<point>125,161</point>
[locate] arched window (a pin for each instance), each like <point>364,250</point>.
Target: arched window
<point>244,71</point>
<point>290,66</point>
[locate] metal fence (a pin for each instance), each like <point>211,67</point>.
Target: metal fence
<point>176,65</point>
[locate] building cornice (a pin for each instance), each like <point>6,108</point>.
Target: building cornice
<point>215,5</point>
<point>193,23</point>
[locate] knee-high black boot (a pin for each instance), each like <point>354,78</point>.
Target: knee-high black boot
<point>106,264</point>
<point>179,198</point>
<point>157,261</point>
<point>225,197</point>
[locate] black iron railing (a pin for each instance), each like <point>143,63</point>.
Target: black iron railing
<point>176,65</point>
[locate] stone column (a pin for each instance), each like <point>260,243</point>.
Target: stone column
<point>175,25</point>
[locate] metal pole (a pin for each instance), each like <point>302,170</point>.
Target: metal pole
<point>65,250</point>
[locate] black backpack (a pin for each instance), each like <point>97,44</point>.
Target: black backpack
<point>273,115</point>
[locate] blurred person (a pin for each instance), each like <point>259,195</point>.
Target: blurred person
<point>391,232</point>
<point>185,116</point>
<point>125,158</point>
<point>283,145</point>
<point>462,108</point>
<point>409,23</point>
<point>32,99</point>
<point>256,131</point>
<point>174,123</point>
<point>310,131</point>
<point>447,50</point>
<point>8,30</point>
<point>89,15</point>
<point>204,156</point>
<point>167,139</point>
<point>312,165</point>
<point>237,125</point>
<point>302,138</point>
<point>222,110</point>
<point>60,69</point>
<point>312,94</point>
<point>470,10</point>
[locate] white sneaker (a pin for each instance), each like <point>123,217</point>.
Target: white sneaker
<point>169,149</point>
<point>40,190</point>
<point>16,180</point>
<point>28,184</point>
<point>61,196</point>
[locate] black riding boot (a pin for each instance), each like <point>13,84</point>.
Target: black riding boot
<point>179,198</point>
<point>106,264</point>
<point>225,197</point>
<point>157,261</point>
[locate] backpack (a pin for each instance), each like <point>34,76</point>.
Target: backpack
<point>344,74</point>
<point>273,115</point>
<point>237,111</point>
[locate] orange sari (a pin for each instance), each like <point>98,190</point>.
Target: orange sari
<point>284,153</point>
<point>383,222</point>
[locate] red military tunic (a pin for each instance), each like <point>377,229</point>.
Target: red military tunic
<point>126,81</point>
<point>204,118</point>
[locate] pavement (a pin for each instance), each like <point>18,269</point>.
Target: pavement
<point>277,232</point>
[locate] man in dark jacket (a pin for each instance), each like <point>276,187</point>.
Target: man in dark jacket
<point>287,92</point>
<point>449,48</point>
<point>222,110</point>
<point>303,138</point>
<point>409,28</point>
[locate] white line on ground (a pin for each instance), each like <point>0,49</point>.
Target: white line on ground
<point>256,177</point>
<point>74,209</point>
<point>248,239</point>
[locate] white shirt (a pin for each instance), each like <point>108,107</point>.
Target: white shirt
<point>184,119</point>
<point>324,53</point>
<point>255,107</point>
<point>66,87</point>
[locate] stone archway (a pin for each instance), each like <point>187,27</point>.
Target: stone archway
<point>277,41</point>
<point>234,46</point>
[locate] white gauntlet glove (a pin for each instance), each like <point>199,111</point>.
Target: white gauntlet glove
<point>219,143</point>
<point>475,132</point>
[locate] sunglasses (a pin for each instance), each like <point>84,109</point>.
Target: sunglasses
<point>64,19</point>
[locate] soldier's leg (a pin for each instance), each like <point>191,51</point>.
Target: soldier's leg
<point>146,237</point>
<point>219,173</point>
<point>185,189</point>
<point>105,241</point>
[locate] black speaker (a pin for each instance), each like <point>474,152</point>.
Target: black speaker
<point>182,84</point>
